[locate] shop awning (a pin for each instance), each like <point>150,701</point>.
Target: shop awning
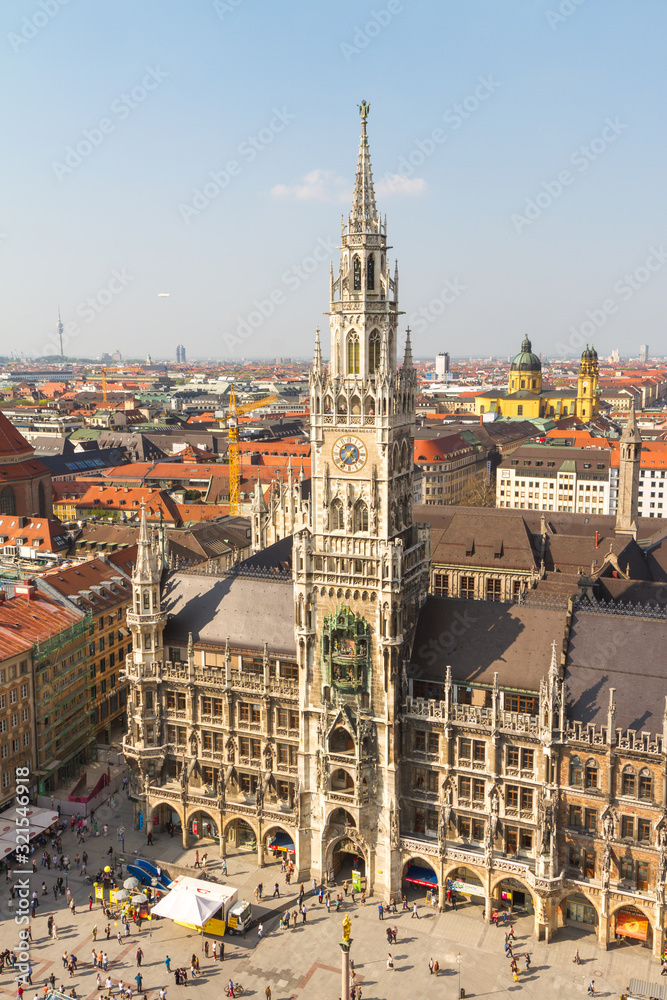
<point>643,988</point>
<point>631,925</point>
<point>422,876</point>
<point>282,842</point>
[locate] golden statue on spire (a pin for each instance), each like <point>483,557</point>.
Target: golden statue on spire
<point>347,927</point>
<point>364,108</point>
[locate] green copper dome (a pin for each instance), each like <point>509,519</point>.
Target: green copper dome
<point>526,361</point>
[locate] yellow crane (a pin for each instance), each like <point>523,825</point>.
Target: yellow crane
<point>233,452</point>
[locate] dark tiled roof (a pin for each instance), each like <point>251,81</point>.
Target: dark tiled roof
<point>478,638</point>
<point>620,651</point>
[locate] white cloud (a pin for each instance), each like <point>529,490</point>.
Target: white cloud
<point>317,185</point>
<point>325,185</point>
<point>396,184</point>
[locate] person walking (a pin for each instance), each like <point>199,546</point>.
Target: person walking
<point>167,961</point>
<point>260,931</point>
<point>139,980</point>
<point>139,955</point>
<point>527,958</point>
<point>430,966</point>
<point>576,959</point>
<point>390,963</point>
<point>215,951</point>
<point>436,967</point>
<point>222,951</point>
<point>414,912</point>
<point>224,867</point>
<point>591,988</point>
<point>276,890</point>
<point>267,993</point>
<point>303,913</point>
<point>380,911</point>
<point>663,971</point>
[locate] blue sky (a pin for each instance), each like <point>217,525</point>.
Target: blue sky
<point>207,150</point>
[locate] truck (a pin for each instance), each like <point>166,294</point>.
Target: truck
<point>234,915</point>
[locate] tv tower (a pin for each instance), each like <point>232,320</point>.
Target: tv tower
<point>60,332</point>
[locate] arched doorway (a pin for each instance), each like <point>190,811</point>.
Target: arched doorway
<point>342,781</point>
<point>168,818</point>
<point>348,863</point>
<point>420,880</point>
<point>341,741</point>
<point>240,835</point>
<point>576,911</point>
<point>279,844</point>
<point>631,926</point>
<point>464,887</point>
<point>511,894</point>
<point>202,826</point>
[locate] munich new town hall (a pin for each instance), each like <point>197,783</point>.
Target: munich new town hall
<point>317,700</point>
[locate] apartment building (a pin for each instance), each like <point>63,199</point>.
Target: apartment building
<point>447,463</point>
<point>549,478</point>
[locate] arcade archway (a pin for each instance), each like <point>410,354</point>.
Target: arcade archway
<point>203,826</point>
<point>240,835</point>
<point>630,925</point>
<point>578,912</point>
<point>513,894</point>
<point>419,879</point>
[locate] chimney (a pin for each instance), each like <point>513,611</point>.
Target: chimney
<point>25,590</point>
<point>597,538</point>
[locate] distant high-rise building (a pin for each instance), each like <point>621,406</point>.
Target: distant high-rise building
<point>614,357</point>
<point>643,353</point>
<point>60,332</point>
<point>180,355</point>
<point>442,363</point>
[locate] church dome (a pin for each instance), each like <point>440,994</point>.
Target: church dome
<point>526,361</point>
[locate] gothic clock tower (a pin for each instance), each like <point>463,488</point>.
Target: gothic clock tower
<point>361,567</point>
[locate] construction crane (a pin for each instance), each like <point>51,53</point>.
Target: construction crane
<point>103,376</point>
<point>233,451</point>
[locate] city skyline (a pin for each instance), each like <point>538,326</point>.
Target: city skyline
<point>531,141</point>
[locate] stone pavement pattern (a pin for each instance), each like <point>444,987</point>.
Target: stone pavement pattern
<point>304,962</point>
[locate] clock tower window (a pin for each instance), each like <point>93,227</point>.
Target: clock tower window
<point>353,354</point>
<point>356,271</point>
<point>337,516</point>
<point>360,516</point>
<point>370,273</point>
<point>373,352</point>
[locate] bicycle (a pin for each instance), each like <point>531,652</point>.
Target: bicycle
<point>238,990</point>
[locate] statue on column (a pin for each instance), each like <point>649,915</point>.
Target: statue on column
<point>606,866</point>
<point>394,835</point>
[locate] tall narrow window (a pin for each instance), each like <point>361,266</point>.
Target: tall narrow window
<point>337,517</point>
<point>356,266</point>
<point>7,501</point>
<point>361,516</point>
<point>370,273</point>
<point>353,354</point>
<point>373,352</point>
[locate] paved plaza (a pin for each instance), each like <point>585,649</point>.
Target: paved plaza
<point>303,962</point>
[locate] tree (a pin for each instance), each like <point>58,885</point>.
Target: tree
<point>477,492</point>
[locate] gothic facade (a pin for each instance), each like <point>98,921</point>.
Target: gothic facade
<point>316,699</point>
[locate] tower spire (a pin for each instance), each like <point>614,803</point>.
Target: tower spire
<point>364,213</point>
<point>630,447</point>
<point>407,357</point>
<point>317,359</point>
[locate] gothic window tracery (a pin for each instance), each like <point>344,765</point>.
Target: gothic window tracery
<point>337,515</point>
<point>370,273</point>
<point>360,517</point>
<point>353,353</point>
<point>373,352</point>
<point>356,271</point>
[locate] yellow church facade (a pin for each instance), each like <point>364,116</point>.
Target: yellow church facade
<point>526,397</point>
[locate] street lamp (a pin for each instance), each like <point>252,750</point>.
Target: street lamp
<point>458,962</point>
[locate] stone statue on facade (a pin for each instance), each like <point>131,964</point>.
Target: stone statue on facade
<point>394,835</point>
<point>606,866</point>
<point>607,824</point>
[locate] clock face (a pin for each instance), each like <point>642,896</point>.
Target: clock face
<point>349,454</point>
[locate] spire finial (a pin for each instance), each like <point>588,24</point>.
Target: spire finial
<point>364,213</point>
<point>317,359</point>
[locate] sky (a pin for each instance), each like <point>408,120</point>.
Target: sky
<point>176,172</point>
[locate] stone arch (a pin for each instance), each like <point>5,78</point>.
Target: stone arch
<point>348,837</point>
<point>355,405</point>
<point>342,779</point>
<point>234,824</point>
<point>419,865</point>
<point>577,895</point>
<point>341,740</point>
<point>268,835</point>
<point>210,825</point>
<point>172,806</point>
<point>629,907</point>
<point>504,877</point>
